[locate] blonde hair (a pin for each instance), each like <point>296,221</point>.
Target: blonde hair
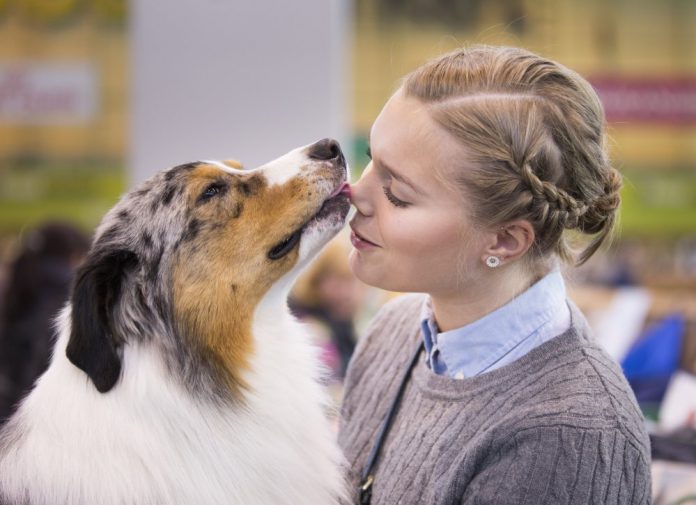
<point>535,134</point>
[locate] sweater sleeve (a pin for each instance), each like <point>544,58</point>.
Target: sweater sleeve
<point>561,465</point>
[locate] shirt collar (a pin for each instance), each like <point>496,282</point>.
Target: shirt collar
<point>429,331</point>
<point>474,347</point>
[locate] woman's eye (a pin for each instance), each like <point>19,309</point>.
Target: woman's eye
<point>392,199</point>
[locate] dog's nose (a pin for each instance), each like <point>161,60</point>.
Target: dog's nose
<point>325,150</point>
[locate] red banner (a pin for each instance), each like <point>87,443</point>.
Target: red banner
<point>648,100</point>
<point>47,93</point>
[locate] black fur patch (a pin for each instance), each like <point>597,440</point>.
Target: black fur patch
<point>250,186</point>
<point>192,230</point>
<point>146,238</point>
<point>187,166</point>
<point>93,345</point>
<point>171,173</point>
<point>168,194</point>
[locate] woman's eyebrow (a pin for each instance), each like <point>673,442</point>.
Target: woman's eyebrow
<point>392,173</point>
<point>401,178</point>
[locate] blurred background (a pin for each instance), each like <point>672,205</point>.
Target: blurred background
<point>95,95</point>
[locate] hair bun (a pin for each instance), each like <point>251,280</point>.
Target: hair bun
<point>603,208</point>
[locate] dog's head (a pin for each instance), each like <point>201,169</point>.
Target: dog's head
<point>181,261</point>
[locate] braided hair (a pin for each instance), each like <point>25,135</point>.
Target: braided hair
<point>534,134</point>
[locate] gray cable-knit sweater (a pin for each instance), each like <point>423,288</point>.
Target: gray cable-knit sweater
<point>558,426</point>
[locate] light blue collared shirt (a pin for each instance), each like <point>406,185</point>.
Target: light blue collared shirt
<point>501,337</point>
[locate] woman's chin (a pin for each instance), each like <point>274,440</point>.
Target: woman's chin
<point>372,273</point>
<point>362,269</point>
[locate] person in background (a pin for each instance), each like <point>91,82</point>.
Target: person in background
<point>37,285</point>
<point>4,255</point>
<point>327,297</point>
<point>485,385</point>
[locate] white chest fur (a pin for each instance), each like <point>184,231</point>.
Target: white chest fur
<point>148,441</point>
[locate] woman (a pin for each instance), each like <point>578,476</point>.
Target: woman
<point>481,160</point>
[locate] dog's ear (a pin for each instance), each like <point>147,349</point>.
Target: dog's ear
<point>93,345</point>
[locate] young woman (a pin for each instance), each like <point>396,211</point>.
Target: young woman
<point>481,161</point>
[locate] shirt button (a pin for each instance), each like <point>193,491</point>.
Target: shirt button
<point>459,375</point>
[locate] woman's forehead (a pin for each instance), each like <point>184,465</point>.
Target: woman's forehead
<point>407,139</point>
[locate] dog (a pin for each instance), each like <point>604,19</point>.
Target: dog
<point>179,375</point>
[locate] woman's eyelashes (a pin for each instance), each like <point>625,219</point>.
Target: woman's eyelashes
<point>392,199</point>
<point>387,191</point>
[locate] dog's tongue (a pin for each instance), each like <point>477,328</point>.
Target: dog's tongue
<point>342,189</point>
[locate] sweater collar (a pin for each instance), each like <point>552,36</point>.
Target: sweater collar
<point>537,313</point>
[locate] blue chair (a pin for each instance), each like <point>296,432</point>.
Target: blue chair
<point>653,358</point>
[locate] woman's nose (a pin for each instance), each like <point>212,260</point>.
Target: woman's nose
<point>360,193</point>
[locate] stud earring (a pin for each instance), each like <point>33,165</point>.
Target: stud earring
<point>493,261</point>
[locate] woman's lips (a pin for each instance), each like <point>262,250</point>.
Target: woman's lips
<point>360,242</point>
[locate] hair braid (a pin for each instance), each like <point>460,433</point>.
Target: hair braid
<point>558,205</point>
<point>534,131</point>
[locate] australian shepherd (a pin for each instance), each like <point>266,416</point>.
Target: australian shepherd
<point>178,375</point>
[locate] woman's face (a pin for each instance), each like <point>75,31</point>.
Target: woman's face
<point>411,232</point>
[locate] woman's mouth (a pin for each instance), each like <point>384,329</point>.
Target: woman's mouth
<point>360,242</point>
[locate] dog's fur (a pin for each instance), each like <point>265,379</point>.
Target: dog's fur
<point>178,375</point>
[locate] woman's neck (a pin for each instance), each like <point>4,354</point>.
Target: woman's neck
<point>466,305</point>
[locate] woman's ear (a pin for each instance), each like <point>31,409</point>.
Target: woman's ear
<point>93,346</point>
<point>511,241</point>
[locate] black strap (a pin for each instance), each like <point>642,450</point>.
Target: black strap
<point>366,478</point>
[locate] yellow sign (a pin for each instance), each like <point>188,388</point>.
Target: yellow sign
<point>41,12</point>
<point>111,11</point>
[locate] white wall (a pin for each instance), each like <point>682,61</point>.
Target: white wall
<point>250,80</point>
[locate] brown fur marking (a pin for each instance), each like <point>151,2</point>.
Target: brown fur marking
<point>215,317</point>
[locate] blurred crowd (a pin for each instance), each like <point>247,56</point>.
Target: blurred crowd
<point>34,285</point>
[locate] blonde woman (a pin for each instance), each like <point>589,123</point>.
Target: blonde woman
<point>487,387</point>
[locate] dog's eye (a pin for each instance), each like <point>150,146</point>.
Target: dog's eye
<point>212,190</point>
